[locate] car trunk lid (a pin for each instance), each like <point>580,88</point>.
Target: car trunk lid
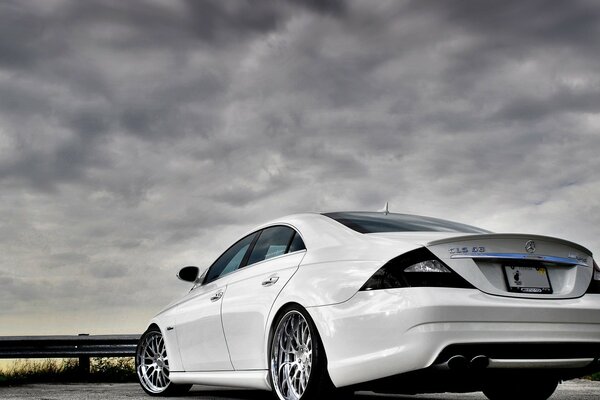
<point>518,265</point>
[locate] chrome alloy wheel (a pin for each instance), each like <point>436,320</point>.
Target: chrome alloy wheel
<point>291,356</point>
<point>153,363</point>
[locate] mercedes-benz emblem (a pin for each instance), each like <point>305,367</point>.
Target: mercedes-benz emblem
<point>530,246</point>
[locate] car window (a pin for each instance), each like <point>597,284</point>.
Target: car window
<point>230,260</point>
<point>272,242</point>
<point>297,244</point>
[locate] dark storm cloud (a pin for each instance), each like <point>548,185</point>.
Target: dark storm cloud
<point>518,24</point>
<point>513,33</point>
<point>22,39</point>
<point>67,47</point>
<point>584,101</point>
<point>140,136</point>
<point>212,21</point>
<point>215,23</point>
<point>330,7</point>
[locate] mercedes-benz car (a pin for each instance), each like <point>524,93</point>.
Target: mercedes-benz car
<point>318,305</point>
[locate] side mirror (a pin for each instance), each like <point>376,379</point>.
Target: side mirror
<point>188,274</point>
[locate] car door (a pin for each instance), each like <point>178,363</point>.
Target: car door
<point>252,290</point>
<point>198,320</point>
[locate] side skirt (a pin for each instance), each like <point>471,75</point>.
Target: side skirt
<point>239,379</point>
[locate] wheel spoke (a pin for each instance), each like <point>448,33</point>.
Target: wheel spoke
<point>302,382</point>
<point>149,351</point>
<point>285,386</point>
<point>285,364</point>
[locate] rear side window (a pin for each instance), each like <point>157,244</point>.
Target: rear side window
<point>230,260</point>
<point>297,244</point>
<point>272,242</point>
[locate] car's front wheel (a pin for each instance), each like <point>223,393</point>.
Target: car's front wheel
<point>152,366</point>
<point>520,386</point>
<point>298,365</point>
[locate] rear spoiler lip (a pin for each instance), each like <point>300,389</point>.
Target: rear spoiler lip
<point>510,236</point>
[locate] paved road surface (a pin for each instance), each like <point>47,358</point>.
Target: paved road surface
<point>572,390</point>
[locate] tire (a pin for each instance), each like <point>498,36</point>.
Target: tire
<point>297,360</point>
<point>520,386</point>
<point>152,366</point>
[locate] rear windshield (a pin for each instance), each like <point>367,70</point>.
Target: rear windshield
<point>372,222</point>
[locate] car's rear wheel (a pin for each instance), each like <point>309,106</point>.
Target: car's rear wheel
<point>298,365</point>
<point>520,386</point>
<point>152,366</point>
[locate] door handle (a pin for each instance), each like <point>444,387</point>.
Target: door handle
<point>217,296</point>
<point>271,281</point>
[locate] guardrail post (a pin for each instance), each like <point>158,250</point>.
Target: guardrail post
<point>84,362</point>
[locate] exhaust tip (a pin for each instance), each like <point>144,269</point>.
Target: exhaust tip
<point>480,362</point>
<point>457,362</point>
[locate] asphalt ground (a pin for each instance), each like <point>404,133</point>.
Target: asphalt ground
<point>577,389</point>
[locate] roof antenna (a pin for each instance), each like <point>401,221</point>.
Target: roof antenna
<point>385,209</point>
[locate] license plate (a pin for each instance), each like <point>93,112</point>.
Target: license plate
<point>527,279</point>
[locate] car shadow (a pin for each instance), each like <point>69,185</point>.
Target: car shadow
<point>229,394</point>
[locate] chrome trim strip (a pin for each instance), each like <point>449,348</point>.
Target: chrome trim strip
<point>541,363</point>
<point>519,256</point>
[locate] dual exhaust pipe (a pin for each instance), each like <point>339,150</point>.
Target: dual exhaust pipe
<point>460,362</point>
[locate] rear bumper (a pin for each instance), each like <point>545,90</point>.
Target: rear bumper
<point>388,332</point>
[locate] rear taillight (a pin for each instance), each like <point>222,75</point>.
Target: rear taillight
<point>418,268</point>
<point>595,284</point>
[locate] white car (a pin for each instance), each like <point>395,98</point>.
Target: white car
<point>315,305</point>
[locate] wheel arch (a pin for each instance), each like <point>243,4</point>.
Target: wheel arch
<point>281,310</point>
<point>271,328</point>
<point>165,323</point>
<point>153,325</point>
<point>320,385</point>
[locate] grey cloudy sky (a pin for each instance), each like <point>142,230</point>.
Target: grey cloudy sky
<point>140,136</point>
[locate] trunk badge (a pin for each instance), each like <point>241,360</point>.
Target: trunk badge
<point>530,246</point>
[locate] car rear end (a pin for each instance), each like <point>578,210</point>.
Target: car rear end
<point>464,309</point>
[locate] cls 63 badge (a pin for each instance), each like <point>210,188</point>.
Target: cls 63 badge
<point>466,250</point>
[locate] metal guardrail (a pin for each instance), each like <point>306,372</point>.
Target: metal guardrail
<point>80,346</point>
